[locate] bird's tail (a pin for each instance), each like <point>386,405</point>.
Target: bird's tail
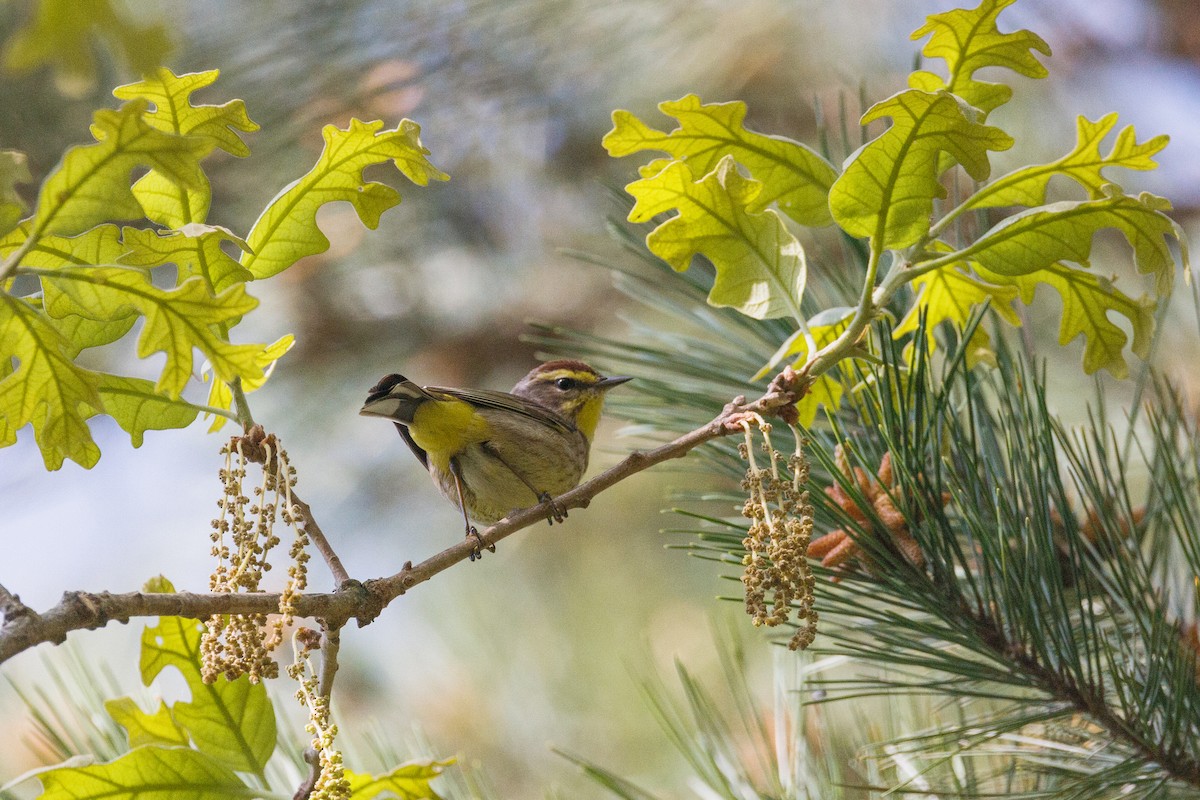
<point>395,397</point>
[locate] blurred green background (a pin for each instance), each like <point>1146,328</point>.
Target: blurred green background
<point>539,645</point>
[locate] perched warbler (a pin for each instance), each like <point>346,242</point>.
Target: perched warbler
<point>492,452</point>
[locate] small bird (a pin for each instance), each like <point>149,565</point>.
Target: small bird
<point>490,452</point>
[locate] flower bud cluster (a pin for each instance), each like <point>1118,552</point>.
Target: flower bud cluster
<point>243,536</point>
<point>777,578</point>
<point>331,783</point>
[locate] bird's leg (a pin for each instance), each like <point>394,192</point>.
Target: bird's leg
<point>477,551</point>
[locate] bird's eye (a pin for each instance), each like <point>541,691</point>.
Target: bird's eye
<point>565,383</point>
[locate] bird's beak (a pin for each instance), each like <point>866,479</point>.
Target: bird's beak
<point>608,383</point>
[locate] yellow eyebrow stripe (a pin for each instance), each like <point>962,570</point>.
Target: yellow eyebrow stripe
<point>579,375</point>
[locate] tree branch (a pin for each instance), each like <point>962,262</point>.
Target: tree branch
<point>11,607</point>
<point>315,535</point>
<point>24,628</point>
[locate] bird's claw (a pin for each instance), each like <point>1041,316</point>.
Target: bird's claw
<point>477,550</point>
<point>555,511</point>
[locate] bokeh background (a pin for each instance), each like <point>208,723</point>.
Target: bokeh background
<point>542,644</point>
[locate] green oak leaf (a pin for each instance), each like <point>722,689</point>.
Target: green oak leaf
<point>159,584</point>
<point>137,407</point>
<point>887,189</point>
<point>8,433</point>
<point>1037,238</point>
<point>149,772</point>
<point>165,201</point>
<point>231,721</point>
<point>131,402</point>
<point>195,249</point>
<point>406,782</point>
<point>221,396</point>
<point>100,245</point>
<point>969,40</point>
<point>13,170</point>
<point>46,389</point>
<point>1084,165</point>
<point>143,728</point>
<point>826,392</point>
<point>949,294</point>
<point>793,176</point>
<point>1087,300</point>
<point>62,32</point>
<point>174,112</point>
<point>81,333</point>
<point>177,320</point>
<point>170,204</point>
<point>287,229</point>
<point>91,183</point>
<point>760,265</point>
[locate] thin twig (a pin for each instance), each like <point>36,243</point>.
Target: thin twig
<point>305,790</point>
<point>317,537</point>
<point>331,644</point>
<point>363,602</point>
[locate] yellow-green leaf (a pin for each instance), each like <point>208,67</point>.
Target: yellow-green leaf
<point>159,584</point>
<point>174,112</point>
<point>170,204</point>
<point>1084,165</point>
<point>13,170</point>
<point>826,392</point>
<point>149,772</point>
<point>969,40</point>
<point>46,389</point>
<point>1087,300</point>
<point>8,432</point>
<point>137,408</point>
<point>100,245</point>
<point>82,333</point>
<point>177,320</point>
<point>760,265</point>
<point>406,782</point>
<point>165,201</point>
<point>195,249</point>
<point>287,229</point>
<point>221,396</point>
<point>232,721</point>
<point>1039,237</point>
<point>950,294</point>
<point>62,33</point>
<point>143,728</point>
<point>887,190</point>
<point>793,176</point>
<point>91,184</point>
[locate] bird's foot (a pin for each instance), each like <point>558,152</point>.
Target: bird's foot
<point>477,550</point>
<point>555,511</point>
